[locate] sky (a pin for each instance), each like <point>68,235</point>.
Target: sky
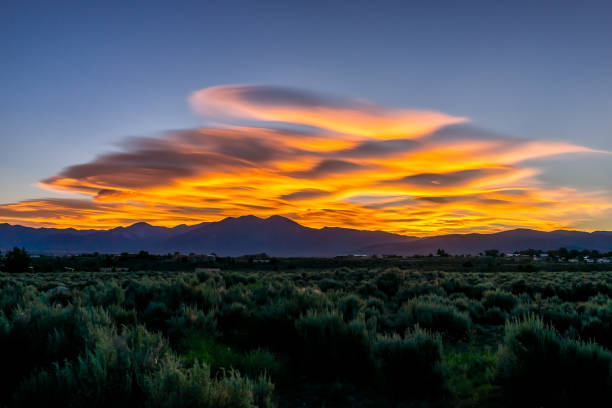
<point>412,118</point>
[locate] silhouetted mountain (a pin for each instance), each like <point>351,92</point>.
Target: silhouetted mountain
<point>279,236</point>
<point>506,241</point>
<point>276,235</point>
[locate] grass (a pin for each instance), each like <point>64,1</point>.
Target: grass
<point>471,377</point>
<point>220,357</point>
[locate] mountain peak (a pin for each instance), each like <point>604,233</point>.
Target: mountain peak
<point>139,226</point>
<point>241,219</point>
<point>279,219</point>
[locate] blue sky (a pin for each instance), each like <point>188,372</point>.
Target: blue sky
<point>78,77</point>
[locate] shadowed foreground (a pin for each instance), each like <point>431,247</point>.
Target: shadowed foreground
<point>334,337</point>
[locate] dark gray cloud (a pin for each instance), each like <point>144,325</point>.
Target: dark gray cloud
<point>379,148</point>
<point>465,131</point>
<point>282,96</point>
<point>443,179</point>
<point>328,167</point>
<point>480,198</point>
<point>142,168</point>
<point>304,194</point>
<point>149,162</point>
<point>450,179</point>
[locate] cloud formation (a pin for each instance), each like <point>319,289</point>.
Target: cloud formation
<point>360,166</point>
<point>352,117</point>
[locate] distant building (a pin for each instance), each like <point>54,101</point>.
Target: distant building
<point>349,256</point>
<point>541,257</point>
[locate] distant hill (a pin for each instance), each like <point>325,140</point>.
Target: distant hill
<point>279,236</point>
<point>506,241</point>
<point>276,236</point>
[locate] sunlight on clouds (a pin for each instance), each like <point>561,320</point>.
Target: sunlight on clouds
<point>360,166</point>
<point>287,105</point>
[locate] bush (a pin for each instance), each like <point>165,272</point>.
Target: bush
<point>333,349</point>
<point>190,320</point>
<point>220,357</point>
<point>435,315</point>
<point>494,316</point>
<point>471,377</point>
<point>17,260</point>
<point>409,366</point>
<point>135,368</point>
<point>175,387</point>
<point>503,300</point>
<point>538,367</point>
<point>350,306</point>
<point>389,281</point>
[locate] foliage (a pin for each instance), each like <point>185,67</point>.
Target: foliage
<point>409,366</point>
<point>430,313</point>
<point>538,366</point>
<point>17,260</point>
<point>471,377</point>
<point>332,348</point>
<point>340,336</point>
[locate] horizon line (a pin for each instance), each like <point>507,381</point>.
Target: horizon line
<point>302,225</point>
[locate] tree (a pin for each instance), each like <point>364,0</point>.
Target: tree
<point>17,260</point>
<point>492,252</point>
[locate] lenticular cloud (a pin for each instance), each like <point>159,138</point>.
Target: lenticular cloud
<point>356,164</point>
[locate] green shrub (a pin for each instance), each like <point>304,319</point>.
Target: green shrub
<point>332,348</point>
<point>330,284</point>
<point>220,357</point>
<point>190,320</point>
<point>494,316</point>
<point>471,377</point>
<point>350,306</point>
<point>155,315</point>
<point>503,300</point>
<point>389,281</point>
<point>409,366</point>
<point>135,368</point>
<point>174,387</point>
<point>430,314</point>
<point>538,367</point>
<point>40,335</point>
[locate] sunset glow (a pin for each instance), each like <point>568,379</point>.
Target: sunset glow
<point>357,165</point>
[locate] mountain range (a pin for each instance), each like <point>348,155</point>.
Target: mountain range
<point>280,236</point>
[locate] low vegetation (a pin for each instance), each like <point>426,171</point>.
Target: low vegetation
<point>358,336</point>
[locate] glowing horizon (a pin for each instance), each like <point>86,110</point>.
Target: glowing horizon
<point>320,161</point>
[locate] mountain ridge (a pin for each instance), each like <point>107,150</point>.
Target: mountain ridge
<point>281,236</point>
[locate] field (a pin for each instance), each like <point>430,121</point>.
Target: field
<point>360,336</point>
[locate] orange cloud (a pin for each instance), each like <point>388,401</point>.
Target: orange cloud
<point>355,118</point>
<point>362,166</point>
